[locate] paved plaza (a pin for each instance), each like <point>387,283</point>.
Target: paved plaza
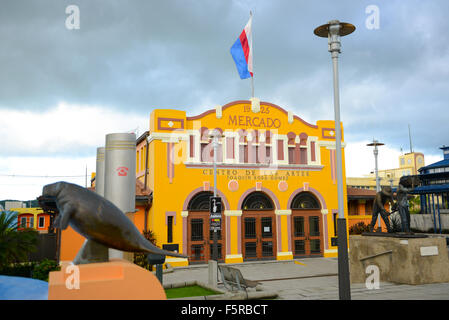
<point>313,279</point>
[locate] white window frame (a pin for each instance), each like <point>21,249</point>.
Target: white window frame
<point>274,148</point>
<point>235,136</point>
<point>197,145</point>
<point>309,151</point>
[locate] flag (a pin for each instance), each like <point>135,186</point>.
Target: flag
<point>242,52</point>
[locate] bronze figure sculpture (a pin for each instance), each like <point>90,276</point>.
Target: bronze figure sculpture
<point>99,221</point>
<point>382,197</point>
<point>406,184</point>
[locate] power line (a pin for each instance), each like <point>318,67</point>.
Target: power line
<point>35,176</point>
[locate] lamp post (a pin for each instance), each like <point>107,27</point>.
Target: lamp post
<point>215,134</point>
<point>374,144</point>
<point>333,31</point>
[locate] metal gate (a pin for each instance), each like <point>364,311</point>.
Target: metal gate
<point>47,248</point>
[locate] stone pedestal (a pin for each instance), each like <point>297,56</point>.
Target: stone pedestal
<point>213,270</point>
<point>399,259</point>
<point>114,280</point>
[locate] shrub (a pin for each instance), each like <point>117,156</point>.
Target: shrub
<point>18,269</point>
<point>359,228</point>
<point>414,205</point>
<point>140,258</point>
<point>43,268</point>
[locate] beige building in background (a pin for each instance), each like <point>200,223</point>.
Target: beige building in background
<point>409,163</point>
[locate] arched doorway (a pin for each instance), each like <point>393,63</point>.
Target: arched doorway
<point>199,236</point>
<point>307,225</point>
<point>258,227</point>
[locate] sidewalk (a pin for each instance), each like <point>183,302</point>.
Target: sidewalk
<point>312,278</point>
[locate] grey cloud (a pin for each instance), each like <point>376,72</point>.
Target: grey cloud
<point>141,55</point>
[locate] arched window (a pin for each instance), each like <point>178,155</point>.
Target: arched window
<point>291,138</point>
<point>305,200</point>
<point>292,149</point>
<point>303,148</point>
<point>257,201</point>
<point>200,202</point>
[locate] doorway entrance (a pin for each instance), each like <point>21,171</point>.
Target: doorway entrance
<point>258,227</point>
<point>199,236</point>
<point>307,226</point>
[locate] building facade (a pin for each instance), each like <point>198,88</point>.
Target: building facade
<point>276,176</point>
<point>434,190</point>
<point>409,164</point>
<point>34,218</point>
<point>360,207</point>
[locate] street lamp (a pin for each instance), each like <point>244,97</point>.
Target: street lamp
<point>374,144</point>
<point>333,31</point>
<point>215,135</point>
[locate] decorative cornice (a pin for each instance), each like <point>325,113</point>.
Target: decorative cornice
<point>184,214</point>
<point>173,137</point>
<point>283,212</point>
<point>218,111</point>
<point>233,213</point>
<point>255,105</point>
<point>249,103</point>
<point>331,145</point>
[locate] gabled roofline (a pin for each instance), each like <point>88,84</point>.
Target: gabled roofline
<point>230,104</point>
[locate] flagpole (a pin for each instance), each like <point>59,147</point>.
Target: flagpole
<point>252,52</point>
<point>252,87</point>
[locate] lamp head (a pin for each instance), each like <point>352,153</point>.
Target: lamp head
<point>334,26</point>
<point>375,143</point>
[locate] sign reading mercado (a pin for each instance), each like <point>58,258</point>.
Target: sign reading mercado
<point>258,122</point>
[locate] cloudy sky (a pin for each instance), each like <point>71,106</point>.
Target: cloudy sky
<point>62,90</point>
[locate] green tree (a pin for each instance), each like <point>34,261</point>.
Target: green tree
<point>14,245</point>
<point>414,204</point>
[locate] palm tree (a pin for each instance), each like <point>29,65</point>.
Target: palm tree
<point>14,245</point>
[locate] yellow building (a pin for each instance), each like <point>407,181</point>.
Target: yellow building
<point>409,164</point>
<point>34,218</point>
<point>276,176</point>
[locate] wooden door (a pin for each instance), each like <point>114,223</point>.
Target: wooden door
<point>307,237</point>
<point>200,238</point>
<point>258,235</point>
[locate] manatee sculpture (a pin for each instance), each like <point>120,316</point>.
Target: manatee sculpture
<point>99,221</point>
